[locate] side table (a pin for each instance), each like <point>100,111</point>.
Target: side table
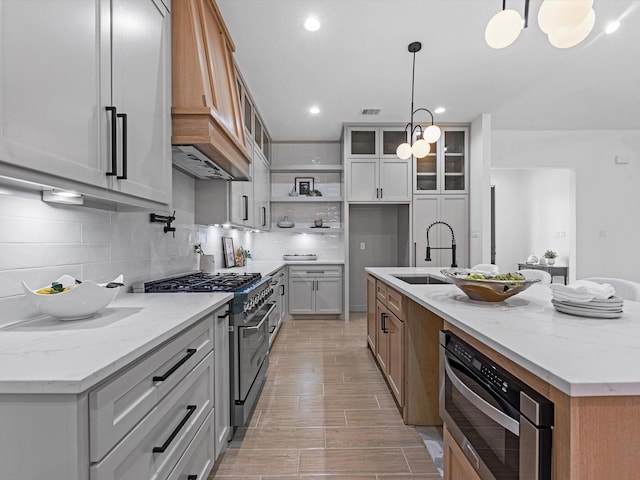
<point>553,270</point>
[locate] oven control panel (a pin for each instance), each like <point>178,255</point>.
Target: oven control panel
<point>256,301</point>
<point>501,381</point>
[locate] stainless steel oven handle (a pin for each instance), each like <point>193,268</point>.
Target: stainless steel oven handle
<point>264,318</point>
<point>490,411</point>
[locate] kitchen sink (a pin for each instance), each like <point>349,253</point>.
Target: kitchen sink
<point>421,279</point>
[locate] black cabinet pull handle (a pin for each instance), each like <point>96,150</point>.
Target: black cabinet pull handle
<point>114,141</point>
<point>264,216</point>
<point>384,323</point>
<point>226,314</point>
<point>281,290</point>
<point>162,378</point>
<point>245,198</point>
<point>377,193</point>
<point>165,445</point>
<point>123,116</point>
<point>381,195</point>
<point>192,477</point>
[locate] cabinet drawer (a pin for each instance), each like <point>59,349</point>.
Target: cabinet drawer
<point>381,291</point>
<point>170,427</point>
<point>316,271</point>
<point>117,406</point>
<point>198,460</point>
<point>396,303</point>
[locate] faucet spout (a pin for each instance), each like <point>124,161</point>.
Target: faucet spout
<point>452,248</point>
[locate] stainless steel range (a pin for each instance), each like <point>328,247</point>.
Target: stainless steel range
<point>251,307</point>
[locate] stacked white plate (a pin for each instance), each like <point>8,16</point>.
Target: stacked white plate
<point>607,308</point>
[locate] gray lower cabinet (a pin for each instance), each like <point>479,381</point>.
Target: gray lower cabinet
<point>154,419</point>
<point>315,289</point>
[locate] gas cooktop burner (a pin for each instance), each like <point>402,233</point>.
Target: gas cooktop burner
<point>204,282</point>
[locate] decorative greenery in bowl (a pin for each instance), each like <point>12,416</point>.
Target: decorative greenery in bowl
<point>550,254</point>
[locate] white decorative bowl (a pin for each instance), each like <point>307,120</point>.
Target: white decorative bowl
<point>82,300</point>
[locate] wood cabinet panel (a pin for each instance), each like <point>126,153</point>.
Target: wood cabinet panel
<point>406,351</point>
<point>371,313</point>
<point>396,303</point>
<point>382,341</point>
<point>206,105</point>
<point>456,465</point>
<point>395,362</point>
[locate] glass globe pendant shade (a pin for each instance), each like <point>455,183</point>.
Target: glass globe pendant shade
<point>431,134</point>
<point>503,29</point>
<point>404,151</point>
<point>421,148</point>
<point>570,37</point>
<point>557,15</point>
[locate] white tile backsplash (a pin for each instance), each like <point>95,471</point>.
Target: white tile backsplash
<point>39,242</point>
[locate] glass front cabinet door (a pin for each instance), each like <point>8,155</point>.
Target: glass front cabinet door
<point>445,168</point>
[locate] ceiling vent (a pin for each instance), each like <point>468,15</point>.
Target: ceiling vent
<point>370,111</point>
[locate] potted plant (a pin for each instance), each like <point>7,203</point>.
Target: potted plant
<point>241,256</point>
<point>550,256</point>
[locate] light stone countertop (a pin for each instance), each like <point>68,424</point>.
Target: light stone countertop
<point>579,356</point>
<point>46,355</point>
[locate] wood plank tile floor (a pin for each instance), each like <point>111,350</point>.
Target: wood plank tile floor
<point>325,413</point>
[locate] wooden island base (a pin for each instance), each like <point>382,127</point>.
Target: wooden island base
<point>594,438</point>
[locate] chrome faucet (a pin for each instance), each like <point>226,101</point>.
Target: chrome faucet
<point>453,244</point>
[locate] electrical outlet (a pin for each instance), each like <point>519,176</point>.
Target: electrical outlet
<point>362,246</point>
<point>561,234</point>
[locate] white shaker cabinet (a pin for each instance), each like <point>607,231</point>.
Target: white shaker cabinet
<point>315,289</point>
<point>378,180</point>
<point>374,173</point>
<point>62,64</point>
<point>261,191</point>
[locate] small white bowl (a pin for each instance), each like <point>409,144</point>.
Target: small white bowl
<point>81,301</point>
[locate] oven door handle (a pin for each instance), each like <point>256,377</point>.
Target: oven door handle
<point>489,410</point>
<point>264,318</point>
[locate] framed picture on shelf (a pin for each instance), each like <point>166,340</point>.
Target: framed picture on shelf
<point>228,252</point>
<point>304,185</point>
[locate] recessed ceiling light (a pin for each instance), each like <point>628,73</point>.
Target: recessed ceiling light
<point>312,24</point>
<point>612,26</point>
<point>314,110</point>
<point>439,110</point>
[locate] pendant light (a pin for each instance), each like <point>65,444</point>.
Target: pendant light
<point>566,22</point>
<point>420,148</point>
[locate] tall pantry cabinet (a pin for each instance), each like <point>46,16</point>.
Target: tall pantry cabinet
<point>441,193</point>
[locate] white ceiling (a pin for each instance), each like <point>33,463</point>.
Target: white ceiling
<point>359,59</point>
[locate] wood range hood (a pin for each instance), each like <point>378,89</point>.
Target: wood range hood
<point>206,112</point>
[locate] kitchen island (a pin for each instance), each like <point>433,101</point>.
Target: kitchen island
<point>587,367</point>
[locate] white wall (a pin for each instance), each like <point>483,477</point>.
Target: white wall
<point>607,193</point>
<point>533,214</point>
<point>480,190</point>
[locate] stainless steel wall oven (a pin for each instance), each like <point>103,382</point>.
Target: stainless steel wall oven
<point>503,426</point>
